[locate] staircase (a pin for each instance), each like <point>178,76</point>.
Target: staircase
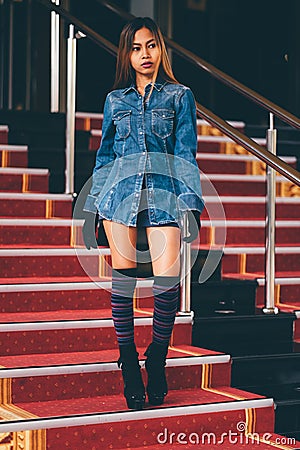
<point>61,387</point>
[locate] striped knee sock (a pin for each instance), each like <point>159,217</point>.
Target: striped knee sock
<point>123,285</point>
<point>166,296</point>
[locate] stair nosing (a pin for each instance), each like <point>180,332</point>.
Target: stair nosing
<point>79,324</point>
<point>13,148</point>
<point>66,369</point>
<point>112,417</point>
<point>66,286</point>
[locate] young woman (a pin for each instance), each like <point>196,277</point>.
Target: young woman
<point>145,175</point>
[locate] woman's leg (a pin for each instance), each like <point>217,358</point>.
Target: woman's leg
<point>164,244</point>
<point>122,243</point>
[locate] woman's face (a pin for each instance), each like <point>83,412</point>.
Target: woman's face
<point>145,55</point>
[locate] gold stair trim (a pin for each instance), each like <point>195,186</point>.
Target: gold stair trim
<point>4,158</point>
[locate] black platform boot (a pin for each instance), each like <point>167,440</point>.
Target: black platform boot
<point>134,390</point>
<point>157,387</point>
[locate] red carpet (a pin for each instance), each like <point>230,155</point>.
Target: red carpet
<point>59,371</point>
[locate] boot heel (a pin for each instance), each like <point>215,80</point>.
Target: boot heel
<point>157,387</point>
<point>136,403</point>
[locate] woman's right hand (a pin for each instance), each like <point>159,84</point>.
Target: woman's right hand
<point>89,230</point>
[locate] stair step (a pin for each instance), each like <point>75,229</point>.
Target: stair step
<point>13,155</point>
<point>243,232</point>
<point>4,130</point>
<point>224,144</point>
<point>35,205</point>
<point>85,335</point>
<point>85,380</point>
<point>243,207</point>
<point>67,232</point>
<point>274,367</point>
<point>60,296</point>
<point>252,259</point>
<point>258,334</point>
<point>219,163</point>
<point>182,409</point>
<point>38,231</point>
<point>15,179</point>
<point>247,185</point>
<point>51,262</point>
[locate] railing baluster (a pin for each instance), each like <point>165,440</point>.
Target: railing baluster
<point>70,116</point>
<point>270,307</point>
<point>55,59</point>
<point>185,302</point>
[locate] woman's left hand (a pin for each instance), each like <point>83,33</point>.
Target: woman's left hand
<point>194,226</point>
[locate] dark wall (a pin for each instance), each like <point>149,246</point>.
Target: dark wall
<point>253,41</point>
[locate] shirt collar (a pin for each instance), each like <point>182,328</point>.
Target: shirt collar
<point>158,85</point>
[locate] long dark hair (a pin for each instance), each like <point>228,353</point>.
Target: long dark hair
<point>125,75</point>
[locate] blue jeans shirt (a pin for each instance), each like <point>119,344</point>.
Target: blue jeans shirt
<point>154,140</point>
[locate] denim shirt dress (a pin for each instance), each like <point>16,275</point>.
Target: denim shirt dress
<point>148,144</point>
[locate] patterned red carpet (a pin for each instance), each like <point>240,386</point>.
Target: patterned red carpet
<point>60,384</point>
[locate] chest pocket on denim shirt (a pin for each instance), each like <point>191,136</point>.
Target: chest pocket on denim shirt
<point>121,120</point>
<point>162,122</point>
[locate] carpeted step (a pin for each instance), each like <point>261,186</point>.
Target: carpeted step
<point>13,155</point>
<point>66,296</point>
<point>104,378</point>
<point>204,411</point>
<point>245,260</point>
<point>57,296</point>
<point>224,144</point>
<point>35,205</point>
<point>85,335</point>
<point>219,163</point>
<point>15,179</point>
<point>287,292</point>
<point>51,262</point>
<point>243,207</point>
<point>87,120</point>
<point>247,185</point>
<point>243,232</point>
<point>4,130</point>
<point>44,364</point>
<point>34,232</point>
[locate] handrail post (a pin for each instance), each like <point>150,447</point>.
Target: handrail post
<point>270,307</point>
<point>185,301</point>
<point>55,59</point>
<point>70,114</point>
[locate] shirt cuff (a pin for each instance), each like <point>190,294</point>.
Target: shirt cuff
<point>189,201</point>
<point>89,205</point>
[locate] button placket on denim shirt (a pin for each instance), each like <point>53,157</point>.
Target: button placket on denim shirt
<point>171,112</point>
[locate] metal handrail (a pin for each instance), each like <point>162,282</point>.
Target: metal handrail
<point>284,115</point>
<point>240,138</point>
